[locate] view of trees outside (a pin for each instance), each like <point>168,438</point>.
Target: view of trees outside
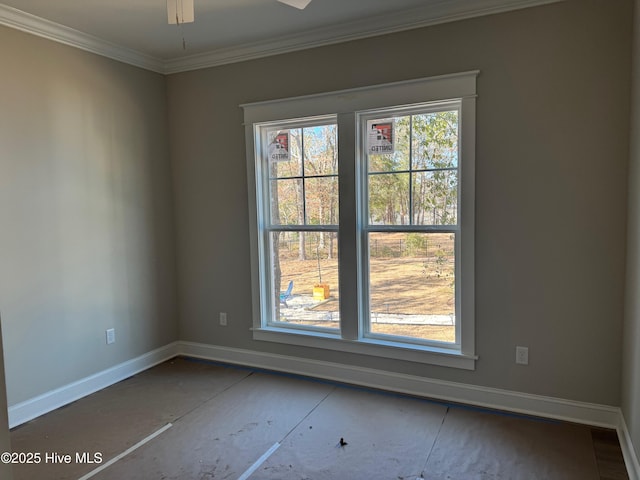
<point>304,192</point>
<point>412,285</point>
<point>418,183</point>
<point>411,273</point>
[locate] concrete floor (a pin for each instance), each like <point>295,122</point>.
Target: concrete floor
<point>188,419</point>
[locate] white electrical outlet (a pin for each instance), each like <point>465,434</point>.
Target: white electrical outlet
<point>223,319</point>
<point>522,355</point>
<point>111,336</point>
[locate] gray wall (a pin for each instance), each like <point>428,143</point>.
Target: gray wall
<point>86,218</point>
<point>631,342</point>
<point>552,153</point>
<point>86,212</point>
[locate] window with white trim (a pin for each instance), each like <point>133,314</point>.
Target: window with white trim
<point>298,167</point>
<point>362,207</point>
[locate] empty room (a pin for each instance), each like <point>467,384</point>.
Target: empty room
<point>292,239</point>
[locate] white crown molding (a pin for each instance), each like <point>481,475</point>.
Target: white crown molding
<point>441,11</point>
<point>437,12</point>
<point>25,22</point>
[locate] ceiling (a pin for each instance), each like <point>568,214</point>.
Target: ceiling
<point>225,31</point>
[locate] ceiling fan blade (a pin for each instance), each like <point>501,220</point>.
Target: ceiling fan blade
<point>301,4</point>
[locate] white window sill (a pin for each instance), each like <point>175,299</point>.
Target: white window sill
<point>368,346</point>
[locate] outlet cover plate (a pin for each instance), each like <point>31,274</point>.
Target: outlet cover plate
<point>522,355</point>
<point>111,336</point>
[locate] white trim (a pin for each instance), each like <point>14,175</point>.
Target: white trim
<point>628,452</point>
<point>361,99</point>
<point>358,104</point>
<point>428,354</point>
<point>28,410</point>
<point>436,12</point>
<point>523,403</point>
<point>506,400</point>
<point>25,22</point>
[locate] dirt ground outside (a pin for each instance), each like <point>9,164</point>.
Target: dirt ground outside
<point>410,294</point>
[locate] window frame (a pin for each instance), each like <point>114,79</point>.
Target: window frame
<point>263,204</point>
<point>348,105</point>
<point>366,228</point>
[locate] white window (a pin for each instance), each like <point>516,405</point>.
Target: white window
<point>362,207</point>
<point>299,199</point>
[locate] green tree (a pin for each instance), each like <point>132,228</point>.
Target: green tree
<point>435,147</point>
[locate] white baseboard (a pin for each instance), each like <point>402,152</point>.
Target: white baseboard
<point>527,404</point>
<point>523,403</point>
<point>28,410</point>
<point>548,407</point>
<point>629,453</point>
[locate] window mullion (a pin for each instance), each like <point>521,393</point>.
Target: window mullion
<point>348,237</point>
<point>304,193</point>
<point>411,221</point>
